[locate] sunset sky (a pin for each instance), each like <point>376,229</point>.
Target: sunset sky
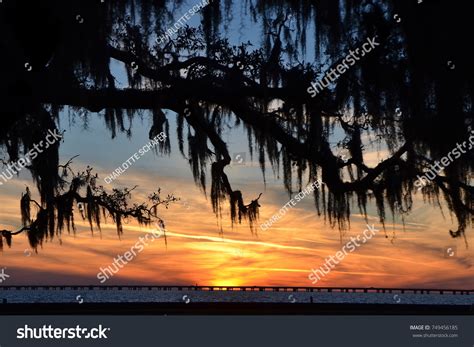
<point>410,256</point>
<point>198,254</point>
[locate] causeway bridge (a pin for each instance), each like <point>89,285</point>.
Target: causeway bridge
<point>243,289</point>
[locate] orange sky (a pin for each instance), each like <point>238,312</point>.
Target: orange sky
<point>198,254</point>
<point>282,255</point>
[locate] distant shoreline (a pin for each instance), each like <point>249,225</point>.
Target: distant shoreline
<point>245,289</point>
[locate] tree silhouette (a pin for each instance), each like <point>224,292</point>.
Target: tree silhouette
<point>94,205</point>
<point>412,95</point>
